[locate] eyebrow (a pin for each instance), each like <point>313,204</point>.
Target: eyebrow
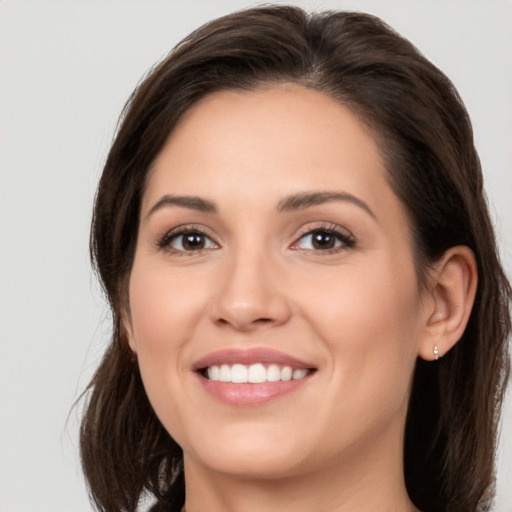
<point>288,204</point>
<point>309,199</point>
<point>190,202</point>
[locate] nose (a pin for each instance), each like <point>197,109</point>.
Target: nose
<point>249,294</point>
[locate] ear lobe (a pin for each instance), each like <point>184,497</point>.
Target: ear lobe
<point>452,288</point>
<point>126,324</point>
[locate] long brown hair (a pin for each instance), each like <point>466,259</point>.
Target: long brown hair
<point>425,137</point>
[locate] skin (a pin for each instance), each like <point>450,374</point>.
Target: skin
<point>356,313</point>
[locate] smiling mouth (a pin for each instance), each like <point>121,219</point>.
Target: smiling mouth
<point>251,377</point>
<point>254,374</point>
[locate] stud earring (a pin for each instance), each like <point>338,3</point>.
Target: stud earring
<point>436,353</point>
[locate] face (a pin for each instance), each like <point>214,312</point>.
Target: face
<point>274,305</point>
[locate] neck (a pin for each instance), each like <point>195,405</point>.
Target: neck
<point>364,481</point>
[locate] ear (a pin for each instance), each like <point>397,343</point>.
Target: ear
<point>126,325</point>
<point>451,289</point>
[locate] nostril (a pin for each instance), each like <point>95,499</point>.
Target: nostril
<point>245,313</point>
<point>262,321</point>
<point>257,321</point>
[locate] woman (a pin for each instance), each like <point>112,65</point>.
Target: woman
<point>309,310</point>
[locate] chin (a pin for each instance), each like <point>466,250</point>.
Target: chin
<point>254,454</point>
<point>249,465</point>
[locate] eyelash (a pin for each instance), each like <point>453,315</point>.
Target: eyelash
<point>347,240</point>
<point>169,237</point>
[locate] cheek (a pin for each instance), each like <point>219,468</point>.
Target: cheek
<point>163,309</point>
<point>372,307</point>
<point>370,319</point>
<point>370,325</point>
<point>163,313</point>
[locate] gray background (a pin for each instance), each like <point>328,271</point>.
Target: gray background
<point>67,68</point>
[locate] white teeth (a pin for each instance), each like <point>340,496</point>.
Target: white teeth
<point>286,373</point>
<point>225,373</point>
<point>273,373</point>
<point>239,373</point>
<point>214,373</point>
<point>255,373</point>
<point>299,373</point>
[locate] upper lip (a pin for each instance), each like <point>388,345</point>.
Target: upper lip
<point>248,357</point>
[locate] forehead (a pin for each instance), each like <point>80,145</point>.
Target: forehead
<point>278,140</point>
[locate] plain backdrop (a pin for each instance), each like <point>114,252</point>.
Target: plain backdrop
<point>67,67</point>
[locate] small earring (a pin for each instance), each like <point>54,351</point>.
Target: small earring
<point>436,353</point>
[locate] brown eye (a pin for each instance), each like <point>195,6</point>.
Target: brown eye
<point>189,241</point>
<point>193,241</point>
<point>324,240</point>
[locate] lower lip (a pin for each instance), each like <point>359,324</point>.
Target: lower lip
<point>250,394</point>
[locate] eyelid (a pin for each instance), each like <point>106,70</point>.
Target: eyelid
<point>163,241</point>
<point>347,238</point>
